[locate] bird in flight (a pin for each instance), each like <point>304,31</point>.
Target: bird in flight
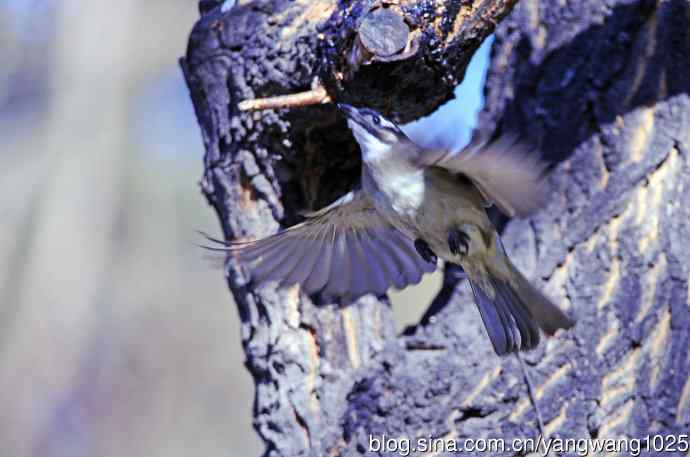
<point>413,206</point>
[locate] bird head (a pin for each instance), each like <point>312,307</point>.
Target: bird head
<point>374,133</point>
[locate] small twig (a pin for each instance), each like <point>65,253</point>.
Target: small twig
<point>315,96</point>
<point>532,397</point>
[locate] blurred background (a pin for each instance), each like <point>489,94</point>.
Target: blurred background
<point>117,336</point>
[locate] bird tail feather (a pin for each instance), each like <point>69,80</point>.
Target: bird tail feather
<point>515,311</point>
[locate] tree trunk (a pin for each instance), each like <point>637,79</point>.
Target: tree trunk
<point>601,86</point>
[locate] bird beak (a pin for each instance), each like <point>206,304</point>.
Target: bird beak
<point>347,109</point>
<point>350,112</point>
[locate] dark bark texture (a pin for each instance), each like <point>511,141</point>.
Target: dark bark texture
<point>601,86</point>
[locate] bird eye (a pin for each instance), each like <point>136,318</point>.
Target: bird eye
<point>376,120</point>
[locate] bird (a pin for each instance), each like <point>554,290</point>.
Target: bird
<point>414,205</point>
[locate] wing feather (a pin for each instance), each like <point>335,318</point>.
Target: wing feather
<point>379,276</point>
<point>505,171</point>
<point>344,250</point>
<point>262,267</point>
<point>322,268</point>
<point>281,268</point>
<point>395,269</point>
<point>339,279</point>
<point>415,271</point>
<point>361,277</point>
<point>304,268</point>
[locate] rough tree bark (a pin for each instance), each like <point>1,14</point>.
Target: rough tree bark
<point>601,85</point>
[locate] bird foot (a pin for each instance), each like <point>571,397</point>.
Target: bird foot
<point>425,251</point>
<point>458,242</point>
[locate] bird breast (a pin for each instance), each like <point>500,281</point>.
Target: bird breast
<point>396,193</point>
<point>424,203</point>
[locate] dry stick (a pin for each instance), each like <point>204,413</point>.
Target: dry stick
<point>315,96</point>
<point>530,392</point>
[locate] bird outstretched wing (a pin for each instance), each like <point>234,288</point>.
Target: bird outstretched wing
<point>344,250</point>
<point>505,171</point>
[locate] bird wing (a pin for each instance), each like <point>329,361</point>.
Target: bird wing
<point>344,250</point>
<point>506,172</point>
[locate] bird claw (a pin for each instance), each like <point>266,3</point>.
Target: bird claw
<point>425,251</point>
<point>458,242</point>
